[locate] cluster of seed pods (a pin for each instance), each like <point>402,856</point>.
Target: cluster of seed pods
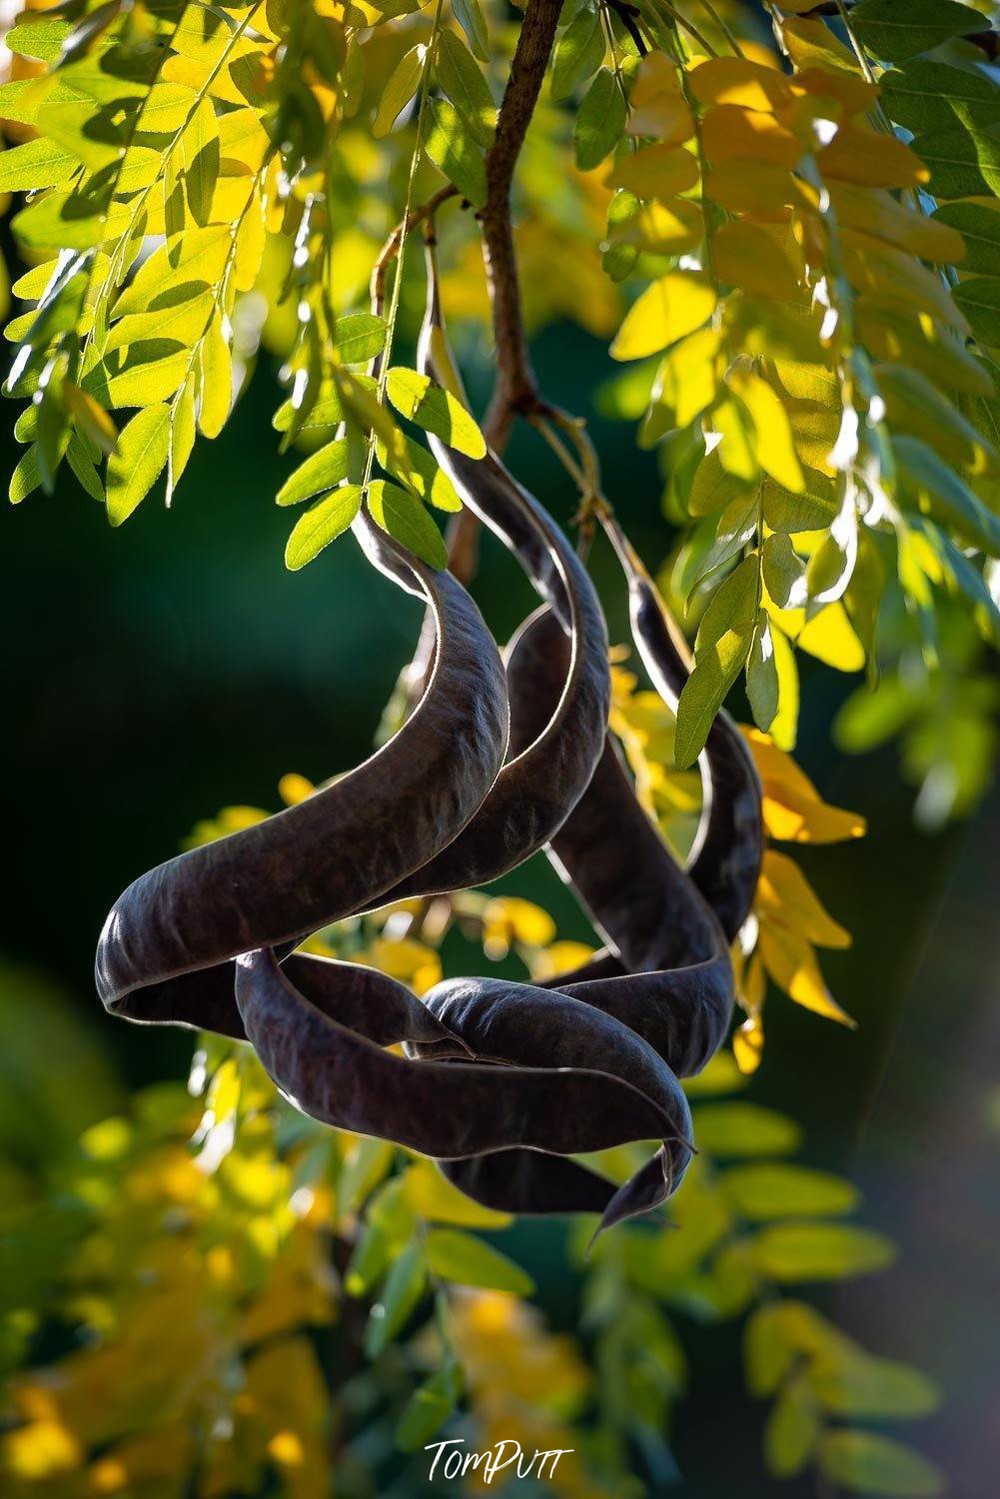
<point>502,1083</point>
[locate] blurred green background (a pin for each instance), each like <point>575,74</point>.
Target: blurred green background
<point>162,671</point>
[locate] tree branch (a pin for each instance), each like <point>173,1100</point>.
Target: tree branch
<point>515,390</point>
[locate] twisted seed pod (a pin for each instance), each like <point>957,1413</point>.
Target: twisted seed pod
<point>502,1080</point>
<point>166,950</point>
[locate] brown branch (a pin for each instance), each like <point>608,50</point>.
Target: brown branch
<point>515,390</point>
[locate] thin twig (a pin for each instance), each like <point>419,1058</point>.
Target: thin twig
<point>515,390</point>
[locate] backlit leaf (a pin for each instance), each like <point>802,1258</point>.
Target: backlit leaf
<point>321,524</point>
<point>404,517</point>
<point>673,306</point>
<point>450,148</point>
<point>136,464</point>
<point>436,410</point>
<point>467,1261</point>
<point>599,122</point>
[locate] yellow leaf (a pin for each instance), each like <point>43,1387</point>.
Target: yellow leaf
<point>560,957</point>
<point>879,214</point>
<point>734,451</point>
<point>748,256</point>
<point>830,637</point>
<point>772,442</point>
<point>656,172</point>
<point>735,80</point>
<point>858,154</point>
<point>785,724</point>
<point>856,94</point>
<point>508,919</point>
<point>748,1045</point>
<point>758,188</point>
<point>899,278</point>
<point>432,1196</point>
<point>784,893</point>
<point>792,964</point>
<point>661,230</point>
<point>675,305</point>
<point>687,379</point>
<point>793,809</point>
<point>730,130</point>
<point>656,104</point>
<point>294,788</point>
<point>40,1451</point>
<point>812,44</point>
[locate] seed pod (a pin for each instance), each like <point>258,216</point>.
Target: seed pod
<point>725,860</point>
<point>167,947</point>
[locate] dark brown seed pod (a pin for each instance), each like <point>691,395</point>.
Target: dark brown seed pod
<point>552,1074</point>
<point>167,947</point>
<point>725,860</point>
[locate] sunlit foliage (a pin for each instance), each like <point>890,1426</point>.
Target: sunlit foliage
<point>782,219</point>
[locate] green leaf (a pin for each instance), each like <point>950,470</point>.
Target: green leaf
<point>38,163</point>
<point>722,646</point>
<point>979,299</point>
<point>149,373</point>
<point>428,1408</point>
<point>360,337</point>
<point>942,495</point>
<point>181,324</point>
<point>25,478</point>
<point>404,1286</point>
<point>420,472</point>
<point>894,32</point>
<point>784,572</point>
<point>436,410</point>
<point>791,1431</point>
<point>774,1189</point>
<point>404,80</point>
<point>82,465</point>
<point>849,1382</point>
<point>327,411</point>
<point>873,1464</point>
<point>134,468</point>
<point>931,96</point>
<point>770,1344</point>
<point>579,52</point>
<point>744,1129</point>
<point>467,1261</point>
<point>712,488</point>
<point>182,435</point>
<point>600,122</point>
<point>915,405</point>
<point>182,267</point>
<point>41,39</point>
<point>794,1252</point>
<point>457,73</point>
<point>404,517</point>
<point>979,226</point>
<point>469,15</point>
<point>321,470</point>
<point>449,147</point>
<point>321,524</point>
<point>963,163</point>
<point>762,675</point>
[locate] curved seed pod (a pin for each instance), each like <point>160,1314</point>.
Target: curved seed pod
<point>725,860</point>
<point>539,786</point>
<point>166,949</point>
<point>551,1073</point>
